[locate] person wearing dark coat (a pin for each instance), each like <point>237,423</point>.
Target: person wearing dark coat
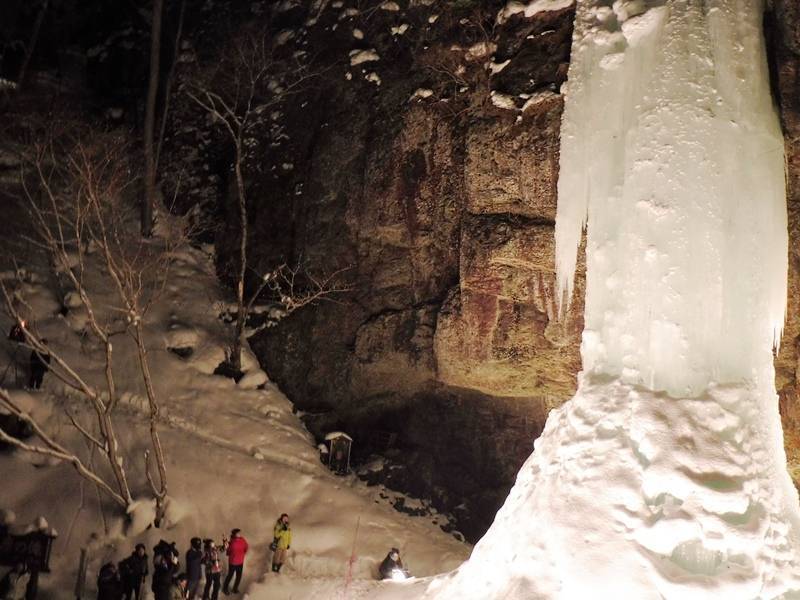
<point>164,549</point>
<point>133,571</point>
<point>109,586</point>
<point>17,333</point>
<point>39,364</point>
<point>392,564</point>
<point>194,567</point>
<point>164,571</point>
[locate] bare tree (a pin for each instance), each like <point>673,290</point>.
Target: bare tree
<point>48,446</point>
<point>254,81</point>
<point>290,288</point>
<point>78,195</point>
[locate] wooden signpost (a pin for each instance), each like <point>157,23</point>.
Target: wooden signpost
<point>31,549</point>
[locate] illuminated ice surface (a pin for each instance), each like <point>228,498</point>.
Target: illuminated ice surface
<point>665,476</point>
<point>671,145</point>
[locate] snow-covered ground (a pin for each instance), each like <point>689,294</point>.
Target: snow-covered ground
<point>237,457</point>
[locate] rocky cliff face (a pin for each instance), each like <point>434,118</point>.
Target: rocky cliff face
<point>424,160</point>
<point>439,191</point>
<point>783,36</point>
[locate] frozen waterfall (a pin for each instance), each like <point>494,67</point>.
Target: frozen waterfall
<point>672,147</point>
<point>665,476</point>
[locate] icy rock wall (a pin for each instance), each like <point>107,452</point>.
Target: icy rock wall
<point>672,148</point>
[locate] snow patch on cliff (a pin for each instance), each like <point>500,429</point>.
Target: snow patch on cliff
<point>358,57</point>
<point>531,8</point>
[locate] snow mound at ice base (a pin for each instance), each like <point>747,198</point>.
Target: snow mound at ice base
<point>634,494</point>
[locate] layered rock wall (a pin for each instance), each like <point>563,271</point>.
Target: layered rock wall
<point>449,341</point>
<point>783,35</point>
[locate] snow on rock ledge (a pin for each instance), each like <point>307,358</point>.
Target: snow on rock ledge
<point>358,57</point>
<point>252,379</point>
<point>531,8</point>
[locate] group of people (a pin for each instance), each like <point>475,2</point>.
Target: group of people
<point>203,558</point>
<point>203,562</point>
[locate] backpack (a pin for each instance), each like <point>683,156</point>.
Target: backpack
<point>163,550</point>
<point>126,568</point>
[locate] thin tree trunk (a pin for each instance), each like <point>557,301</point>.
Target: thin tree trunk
<point>149,121</point>
<point>160,491</point>
<point>37,28</point>
<point>111,384</point>
<point>168,85</point>
<point>241,316</point>
<point>97,490</point>
<point>114,457</point>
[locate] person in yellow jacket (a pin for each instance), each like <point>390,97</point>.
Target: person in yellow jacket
<point>281,543</point>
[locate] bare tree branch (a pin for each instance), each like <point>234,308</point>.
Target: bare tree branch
<point>83,215</point>
<point>245,91</point>
<point>52,448</point>
<point>83,430</point>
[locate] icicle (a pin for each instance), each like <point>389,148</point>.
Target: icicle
<point>672,147</point>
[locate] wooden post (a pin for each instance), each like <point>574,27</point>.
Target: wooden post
<point>349,578</point>
<point>80,583</point>
<point>33,585</point>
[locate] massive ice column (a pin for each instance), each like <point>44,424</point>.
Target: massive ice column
<point>665,476</point>
<point>671,145</point>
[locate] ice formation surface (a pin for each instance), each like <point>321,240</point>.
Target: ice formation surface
<point>672,148</point>
<point>665,476</point>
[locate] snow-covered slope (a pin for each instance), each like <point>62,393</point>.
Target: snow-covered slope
<point>237,457</point>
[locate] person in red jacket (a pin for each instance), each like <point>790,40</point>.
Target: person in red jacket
<point>235,549</point>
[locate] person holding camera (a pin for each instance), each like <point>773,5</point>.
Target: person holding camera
<point>213,570</point>
<point>165,567</point>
